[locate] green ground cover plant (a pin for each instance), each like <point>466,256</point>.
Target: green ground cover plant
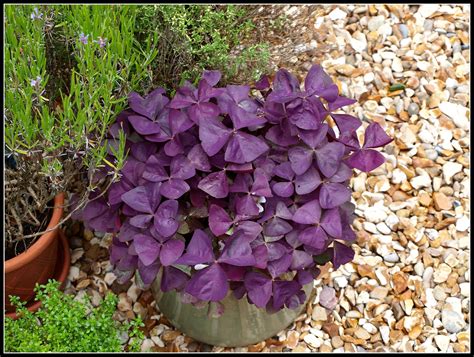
<point>63,324</point>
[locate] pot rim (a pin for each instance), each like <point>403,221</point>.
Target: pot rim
<point>42,243</point>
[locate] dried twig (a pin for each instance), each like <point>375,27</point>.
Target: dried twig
<point>83,201</point>
<point>17,219</point>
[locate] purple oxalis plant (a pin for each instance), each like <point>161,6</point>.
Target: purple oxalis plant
<point>228,189</point>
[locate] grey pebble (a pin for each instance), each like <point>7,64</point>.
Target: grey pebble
<point>99,234</point>
<point>391,258</point>
<point>404,30</point>
<point>76,242</point>
<point>453,322</point>
<point>431,154</point>
<point>413,109</point>
<point>457,48</point>
<point>428,25</point>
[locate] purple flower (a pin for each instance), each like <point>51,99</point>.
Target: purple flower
<point>35,82</point>
<point>101,41</point>
<point>36,14</point>
<point>83,38</point>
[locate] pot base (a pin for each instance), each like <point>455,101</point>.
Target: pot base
<point>242,324</point>
<point>61,272</point>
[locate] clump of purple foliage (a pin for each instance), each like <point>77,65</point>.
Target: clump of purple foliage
<point>227,191</point>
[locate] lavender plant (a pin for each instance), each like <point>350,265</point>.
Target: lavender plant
<point>228,191</point>
<point>52,138</point>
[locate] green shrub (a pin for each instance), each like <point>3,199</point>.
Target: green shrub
<point>197,37</point>
<point>63,324</point>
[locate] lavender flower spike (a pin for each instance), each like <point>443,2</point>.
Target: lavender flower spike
<point>83,38</point>
<point>36,14</point>
<point>35,82</point>
<point>101,41</point>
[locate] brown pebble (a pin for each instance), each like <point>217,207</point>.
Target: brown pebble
<point>170,335</point>
<point>400,282</point>
<point>337,342</point>
<point>422,162</point>
<point>146,298</point>
<point>441,201</point>
<point>445,223</point>
<point>413,82</point>
<point>325,348</point>
<point>83,284</point>
<point>96,252</point>
<point>331,329</point>
<point>256,347</point>
<point>400,196</point>
<point>424,198</point>
<point>88,234</point>
<point>366,270</point>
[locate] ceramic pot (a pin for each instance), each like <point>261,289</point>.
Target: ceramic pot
<point>242,323</point>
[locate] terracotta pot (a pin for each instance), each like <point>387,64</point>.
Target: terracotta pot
<point>48,258</point>
<point>242,323</point>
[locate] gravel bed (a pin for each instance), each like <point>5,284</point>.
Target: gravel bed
<point>408,287</point>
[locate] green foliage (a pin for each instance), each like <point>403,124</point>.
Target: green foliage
<point>97,88</point>
<point>209,34</point>
<point>63,324</point>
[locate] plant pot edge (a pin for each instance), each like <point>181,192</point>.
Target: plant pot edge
<point>20,275</point>
<point>42,243</point>
<point>61,272</point>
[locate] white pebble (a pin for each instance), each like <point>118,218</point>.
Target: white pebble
<point>109,278</point>
<point>392,220</point>
<point>397,65</point>
<point>73,273</point>
<point>358,42</point>
<point>375,214</point>
<point>369,227</point>
<point>337,14</point>
<point>441,274</point>
<point>423,180</point>
<point>147,344</point>
<point>465,289</point>
<point>313,340</point>
<point>462,224</point>
<point>457,113</point>
<point>341,281</point>
<point>391,258</point>
<point>442,342</point>
<point>398,176</point>
<point>385,333</point>
<point>426,10</point>
<point>423,65</point>
<point>369,77</point>
<point>369,328</point>
<point>383,228</point>
<point>450,169</point>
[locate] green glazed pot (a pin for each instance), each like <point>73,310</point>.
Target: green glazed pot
<point>242,324</point>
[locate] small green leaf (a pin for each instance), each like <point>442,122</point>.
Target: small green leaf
<point>396,86</point>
